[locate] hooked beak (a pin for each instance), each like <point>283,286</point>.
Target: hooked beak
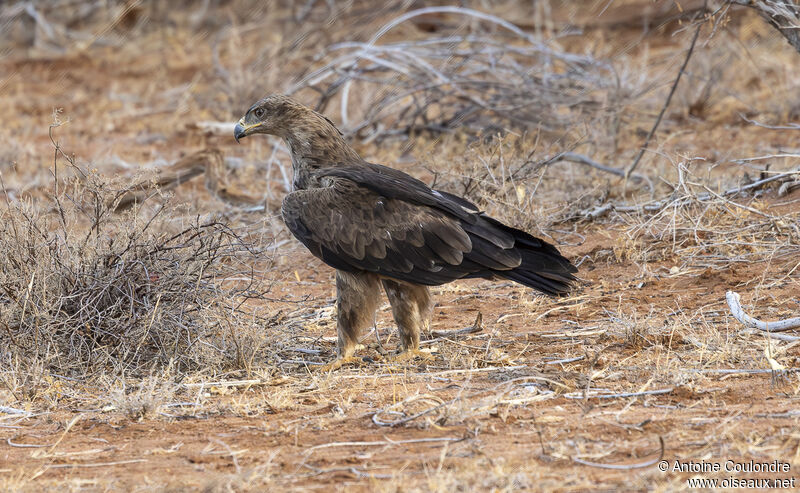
<point>241,130</point>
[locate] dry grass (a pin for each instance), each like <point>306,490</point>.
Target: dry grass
<point>88,292</point>
<point>168,346</point>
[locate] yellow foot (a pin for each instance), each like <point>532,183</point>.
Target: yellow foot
<point>411,354</point>
<point>339,362</point>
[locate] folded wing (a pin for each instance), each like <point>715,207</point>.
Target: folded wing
<point>377,219</point>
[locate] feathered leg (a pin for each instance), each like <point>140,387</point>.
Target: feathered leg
<point>356,301</point>
<point>412,308</point>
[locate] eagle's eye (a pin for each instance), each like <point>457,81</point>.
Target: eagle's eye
<point>259,112</point>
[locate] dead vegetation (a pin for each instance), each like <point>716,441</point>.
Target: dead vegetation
<point>479,73</point>
<point>89,291</point>
<point>158,325</point>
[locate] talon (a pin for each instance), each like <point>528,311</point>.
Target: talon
<point>411,354</point>
<point>339,362</point>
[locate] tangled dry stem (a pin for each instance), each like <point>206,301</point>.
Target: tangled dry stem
<point>476,79</point>
<point>86,291</point>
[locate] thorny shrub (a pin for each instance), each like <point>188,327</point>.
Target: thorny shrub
<point>86,291</point>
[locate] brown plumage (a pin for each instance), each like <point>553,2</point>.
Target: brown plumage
<point>377,225</point>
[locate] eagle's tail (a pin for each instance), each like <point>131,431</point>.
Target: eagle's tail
<point>543,269</point>
<point>542,266</point>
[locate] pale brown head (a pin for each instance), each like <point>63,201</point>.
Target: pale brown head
<point>309,135</point>
<point>275,115</point>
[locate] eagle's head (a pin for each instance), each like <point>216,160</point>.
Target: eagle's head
<point>271,115</point>
<point>309,135</point>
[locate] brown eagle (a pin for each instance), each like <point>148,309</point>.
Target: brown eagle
<point>377,225</point>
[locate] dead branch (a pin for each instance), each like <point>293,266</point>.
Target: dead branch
<point>652,132</point>
<point>791,126</point>
<point>581,159</point>
<point>441,82</point>
<point>734,302</point>
<point>733,371</point>
<point>208,162</point>
<point>402,417</point>
<point>565,361</point>
<point>25,445</point>
<point>180,172</point>
<point>660,204</point>
<point>381,442</point>
<point>99,464</point>
<point>12,410</point>
<point>626,467</point>
<point>783,15</point>
<point>476,327</point>
<point>580,395</point>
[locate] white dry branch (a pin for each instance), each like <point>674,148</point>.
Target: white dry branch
<point>490,73</point>
<point>676,200</point>
<point>12,410</point>
<point>783,15</point>
<point>778,326</point>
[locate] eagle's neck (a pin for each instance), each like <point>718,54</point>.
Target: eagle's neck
<point>315,143</point>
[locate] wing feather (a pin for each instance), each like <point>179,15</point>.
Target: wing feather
<point>368,217</point>
<point>353,228</point>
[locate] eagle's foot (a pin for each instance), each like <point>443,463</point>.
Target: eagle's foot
<point>340,362</point>
<point>409,354</point>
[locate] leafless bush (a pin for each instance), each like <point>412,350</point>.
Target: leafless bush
<point>144,401</point>
<point>781,14</point>
<point>487,72</point>
<point>87,291</point>
<point>705,228</point>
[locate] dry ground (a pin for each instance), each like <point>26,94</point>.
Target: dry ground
<point>644,353</point>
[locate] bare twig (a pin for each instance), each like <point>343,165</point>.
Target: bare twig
<point>580,395</point>
<point>12,410</point>
<point>783,15</point>
<point>581,159</point>
<point>97,464</point>
<point>791,126</point>
<point>564,361</point>
<point>649,137</point>
<point>733,371</point>
<point>381,442</point>
<point>25,445</point>
<point>377,418</point>
<point>476,327</point>
<point>734,302</point>
<point>660,204</point>
<point>472,78</point>
<point>625,467</point>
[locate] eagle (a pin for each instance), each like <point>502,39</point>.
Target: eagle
<point>379,226</point>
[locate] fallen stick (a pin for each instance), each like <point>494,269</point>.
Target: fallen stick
<point>625,467</point>
<point>477,326</point>
<point>650,135</point>
<point>98,464</point>
<point>739,314</point>
<point>438,404</point>
<point>382,442</point>
<point>236,383</point>
<point>579,395</point>
<point>12,410</point>
<point>574,157</point>
<point>24,445</point>
<point>734,371</point>
<point>563,361</point>
<point>180,172</point>
<point>208,162</point>
<point>658,205</point>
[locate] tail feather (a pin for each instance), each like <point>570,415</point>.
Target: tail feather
<point>553,287</point>
<point>542,267</point>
